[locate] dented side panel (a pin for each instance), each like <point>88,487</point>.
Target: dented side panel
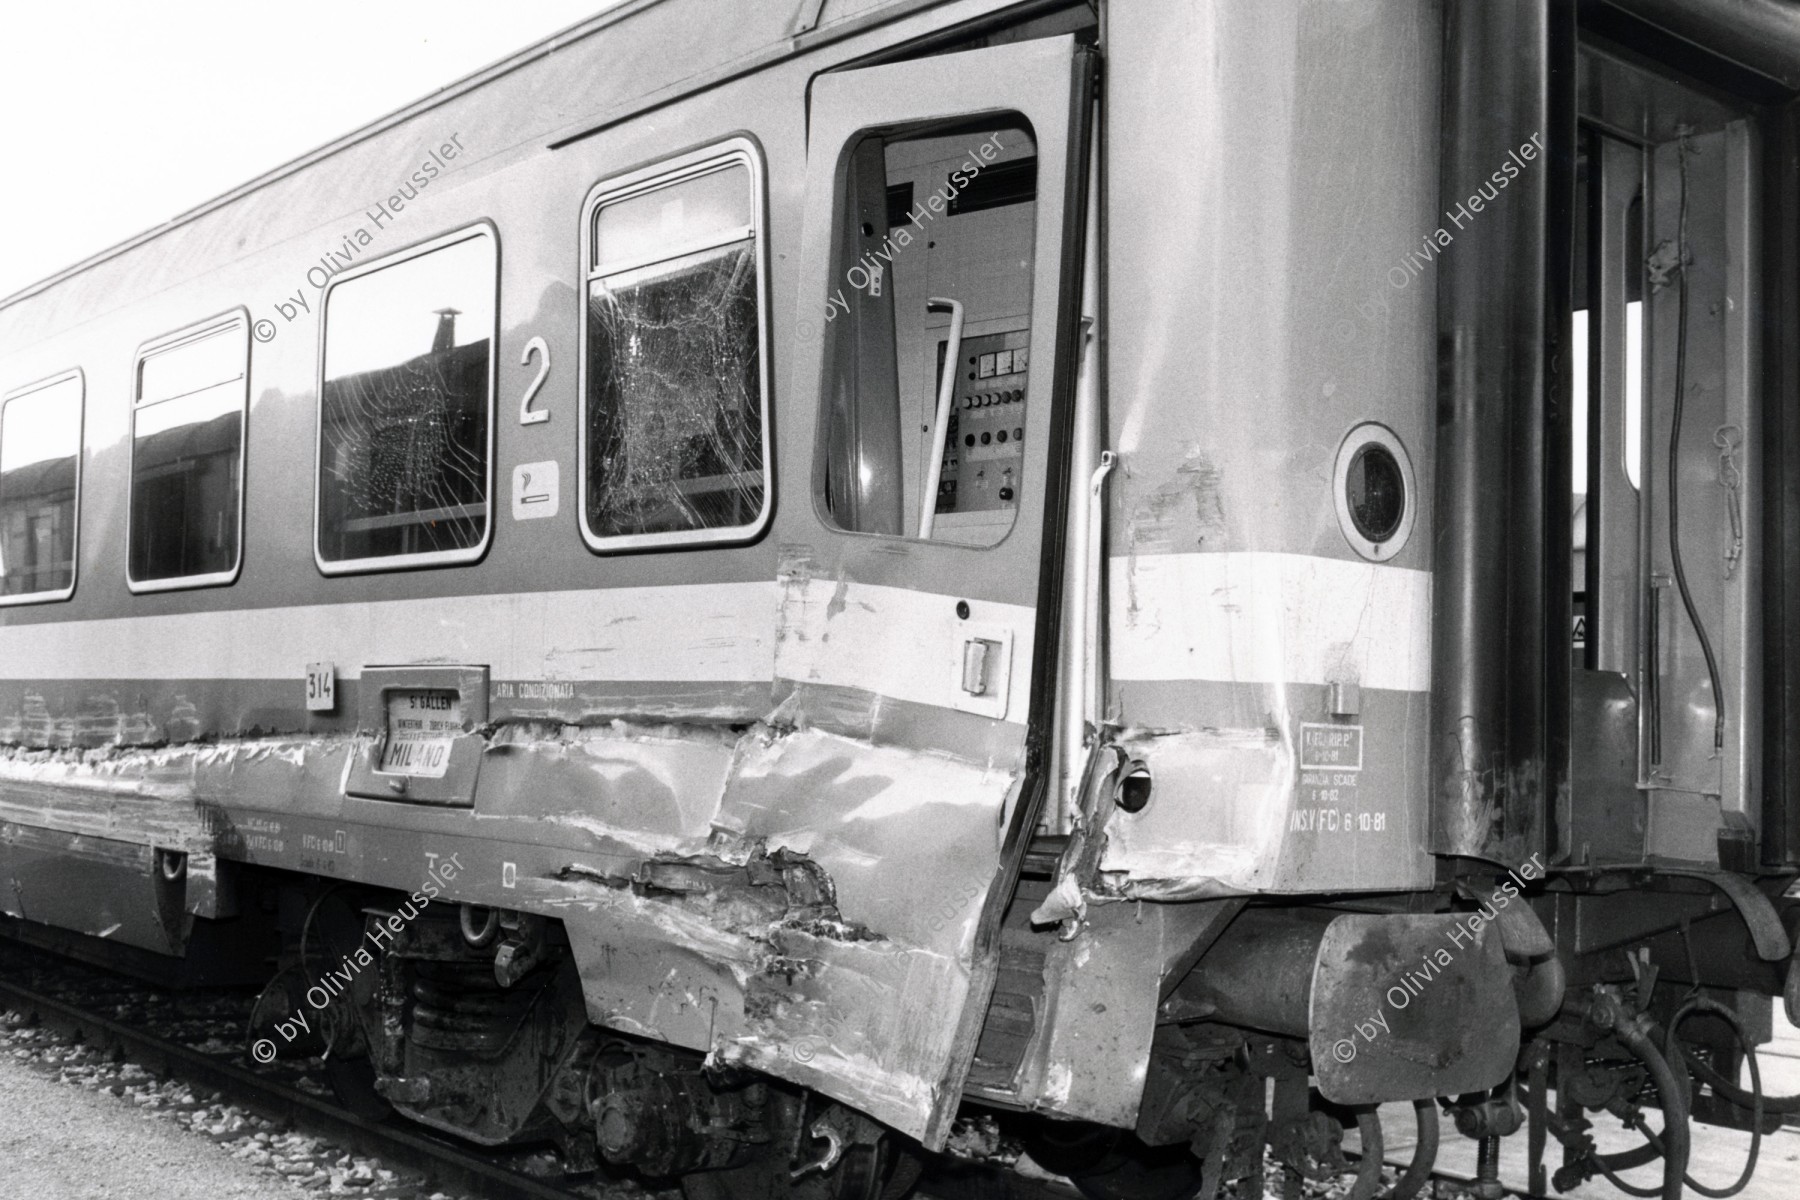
<point>778,865</point>
<point>791,900</point>
<point>1253,809</point>
<point>1269,674</point>
<point>103,887</point>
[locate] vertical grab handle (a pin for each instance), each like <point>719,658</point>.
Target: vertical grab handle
<point>940,428</point>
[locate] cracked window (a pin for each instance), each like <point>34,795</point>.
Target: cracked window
<point>40,453</point>
<point>674,433</point>
<point>187,456</point>
<point>405,414</point>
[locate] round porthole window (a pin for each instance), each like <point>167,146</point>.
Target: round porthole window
<point>1376,497</point>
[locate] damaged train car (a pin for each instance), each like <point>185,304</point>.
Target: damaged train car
<point>758,579</point>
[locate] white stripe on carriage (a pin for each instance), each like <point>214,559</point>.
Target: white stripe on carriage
<point>1268,618</point>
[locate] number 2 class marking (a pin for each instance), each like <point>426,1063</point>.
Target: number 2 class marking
<point>541,348</point>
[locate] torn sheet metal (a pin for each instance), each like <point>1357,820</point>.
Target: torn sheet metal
<point>849,996</point>
<point>796,901</point>
<point>789,899</point>
<point>1091,1048</point>
<point>1241,811</point>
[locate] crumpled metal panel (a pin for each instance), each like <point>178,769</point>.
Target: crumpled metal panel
<point>621,792</point>
<point>849,997</point>
<point>1091,1049</point>
<point>1218,810</point>
<point>676,941</point>
<point>1239,612</point>
<point>1241,810</point>
<point>653,844</point>
<point>108,795</point>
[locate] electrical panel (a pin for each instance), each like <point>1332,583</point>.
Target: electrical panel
<point>984,449</point>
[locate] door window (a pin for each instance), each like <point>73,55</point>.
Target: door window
<point>927,324</point>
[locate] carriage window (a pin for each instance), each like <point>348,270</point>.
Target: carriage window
<point>406,408</point>
<point>675,400</point>
<point>187,456</point>
<point>40,475</point>
<point>927,327</point>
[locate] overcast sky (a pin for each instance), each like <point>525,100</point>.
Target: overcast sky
<point>116,116</point>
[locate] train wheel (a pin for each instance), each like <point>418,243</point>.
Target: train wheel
<point>353,1082</point>
<point>1134,1171</point>
<point>333,931</point>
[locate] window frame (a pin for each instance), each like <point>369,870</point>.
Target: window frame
<point>1044,401</point>
<point>483,228</point>
<point>739,149</point>
<point>80,378</point>
<point>192,332</point>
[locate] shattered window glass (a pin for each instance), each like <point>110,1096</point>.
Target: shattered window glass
<point>187,456</point>
<point>674,434</point>
<point>405,407</point>
<point>40,450</point>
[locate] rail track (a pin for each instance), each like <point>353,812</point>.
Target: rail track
<point>197,1037</point>
<point>446,1164</point>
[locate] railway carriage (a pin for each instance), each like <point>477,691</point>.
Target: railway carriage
<point>755,579</point>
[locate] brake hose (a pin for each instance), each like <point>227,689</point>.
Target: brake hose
<point>1672,1047</point>
<point>1680,571</point>
<point>1784,1105</point>
<point>1610,1164</point>
<point>1673,1144</point>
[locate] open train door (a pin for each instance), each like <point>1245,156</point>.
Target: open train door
<point>931,397</point>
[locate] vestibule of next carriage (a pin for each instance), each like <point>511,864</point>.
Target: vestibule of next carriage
<point>928,325</point>
<point>1664,491</point>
